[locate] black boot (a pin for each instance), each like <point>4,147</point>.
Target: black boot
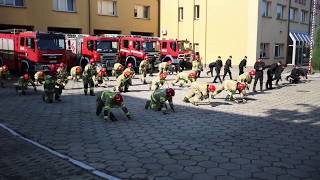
<point>92,93</point>
<point>85,92</point>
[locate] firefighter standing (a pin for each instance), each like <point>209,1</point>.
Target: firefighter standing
<point>259,66</point>
<point>143,68</point>
<point>39,77</point>
<point>277,75</point>
<point>159,98</point>
<point>227,67</point>
<point>232,87</point>
<point>198,92</point>
<point>4,74</point>
<point>218,66</point>
<point>101,77</point>
<point>88,75</point>
<point>117,70</point>
<point>211,66</point>
<point>107,100</point>
<point>123,82</point>
<point>151,64</point>
<point>185,77</point>
<point>243,64</point>
<point>23,83</point>
<point>158,81</point>
<point>75,73</point>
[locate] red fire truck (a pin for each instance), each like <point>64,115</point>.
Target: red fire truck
<point>25,51</point>
<point>134,48</point>
<point>175,51</point>
<point>103,49</point>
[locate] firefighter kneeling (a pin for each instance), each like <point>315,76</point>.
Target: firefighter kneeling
<point>117,70</point>
<point>123,82</point>
<point>51,89</point>
<point>39,77</point>
<point>199,92</point>
<point>23,83</point>
<point>107,100</point>
<point>159,98</point>
<point>185,77</point>
<point>232,87</point>
<point>102,77</point>
<point>75,73</point>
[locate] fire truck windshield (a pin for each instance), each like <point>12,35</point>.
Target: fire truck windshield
<point>150,46</point>
<point>107,46</point>
<point>181,46</point>
<point>50,42</point>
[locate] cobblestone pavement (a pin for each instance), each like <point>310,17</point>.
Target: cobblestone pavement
<point>20,160</point>
<point>273,136</point>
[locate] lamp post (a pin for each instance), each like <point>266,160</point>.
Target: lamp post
<point>314,4</point>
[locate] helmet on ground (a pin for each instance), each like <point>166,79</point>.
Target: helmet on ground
<point>170,92</point>
<point>117,99</point>
<point>26,77</point>
<point>163,75</point>
<point>78,70</point>
<point>91,61</point>
<point>129,65</point>
<point>212,88</point>
<point>127,74</point>
<point>252,73</point>
<point>5,68</point>
<point>192,75</point>
<point>241,86</point>
<point>61,65</point>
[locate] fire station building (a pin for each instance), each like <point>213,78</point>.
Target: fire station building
<point>136,17</point>
<point>276,30</point>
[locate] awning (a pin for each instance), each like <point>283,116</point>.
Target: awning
<point>300,37</point>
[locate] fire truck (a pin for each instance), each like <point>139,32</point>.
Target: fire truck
<point>134,48</point>
<point>103,49</point>
<point>28,52</point>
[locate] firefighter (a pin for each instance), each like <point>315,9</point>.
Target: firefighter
<point>50,90</point>
<point>227,67</point>
<point>211,66</point>
<point>218,69</point>
<point>130,70</point>
<point>39,77</point>
<point>199,92</point>
<point>75,73</point>
<point>277,75</point>
<point>270,73</point>
<point>143,68</point>
<point>101,77</point>
<point>247,78</point>
<point>164,66</point>
<point>197,66</point>
<point>88,75</point>
<point>185,77</point>
<point>4,74</point>
<point>123,82</point>
<point>295,74</point>
<point>158,82</point>
<point>159,98</point>
<point>23,83</point>
<point>259,66</point>
<point>117,70</point>
<point>243,64</point>
<point>107,100</point>
<point>62,75</point>
<point>232,87</point>
<point>151,64</point>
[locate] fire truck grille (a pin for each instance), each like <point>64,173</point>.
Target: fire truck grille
<point>109,61</point>
<point>52,56</point>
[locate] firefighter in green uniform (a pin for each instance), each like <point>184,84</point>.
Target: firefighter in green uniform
<point>107,100</point>
<point>247,78</point>
<point>4,74</point>
<point>39,77</point>
<point>75,73</point>
<point>123,82</point>
<point>62,75</point>
<point>143,68</point>
<point>185,77</point>
<point>117,70</point>
<point>88,76</point>
<point>159,98</point>
<point>50,90</point>
<point>158,81</point>
<point>130,70</point>
<point>164,66</point>
<point>199,92</point>
<point>102,77</point>
<point>232,87</point>
<point>23,83</point>
<point>197,66</point>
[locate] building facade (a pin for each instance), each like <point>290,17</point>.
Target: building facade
<point>139,17</point>
<point>271,29</point>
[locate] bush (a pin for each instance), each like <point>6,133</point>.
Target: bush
<point>316,52</point>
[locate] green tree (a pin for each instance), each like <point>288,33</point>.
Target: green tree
<point>316,52</point>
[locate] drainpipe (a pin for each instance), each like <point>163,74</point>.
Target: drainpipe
<point>178,24</point>
<point>193,25</point>
<point>159,17</point>
<point>206,34</point>
<point>288,34</point>
<point>89,17</point>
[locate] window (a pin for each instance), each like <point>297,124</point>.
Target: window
<point>16,3</point>
<point>303,16</point>
<point>64,5</point>
<point>264,50</point>
<point>280,11</point>
<point>90,45</point>
<point>180,15</point>
<point>30,43</point>
<point>278,50</point>
<point>164,45</point>
<point>126,43</point>
<point>266,8</point>
<point>142,12</point>
<point>173,46</point>
<point>197,12</point>
<point>293,14</point>
<point>22,41</point>
<point>137,45</point>
<point>107,7</point>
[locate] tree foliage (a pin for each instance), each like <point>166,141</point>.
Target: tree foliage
<point>316,52</point>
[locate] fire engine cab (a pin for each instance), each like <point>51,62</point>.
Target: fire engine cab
<point>175,51</point>
<point>25,51</point>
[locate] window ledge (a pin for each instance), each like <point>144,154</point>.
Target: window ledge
<point>109,15</point>
<point>304,23</point>
<point>268,17</point>
<point>64,11</point>
<point>294,21</point>
<point>11,6</point>
<point>281,19</point>
<point>196,19</point>
<point>265,58</point>
<point>142,18</point>
<point>279,57</point>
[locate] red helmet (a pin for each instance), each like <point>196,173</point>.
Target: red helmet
<point>103,70</point>
<point>252,73</point>
<point>78,70</point>
<point>146,58</point>
<point>26,77</point>
<point>192,75</point>
<point>212,88</point>
<point>127,74</point>
<point>169,62</point>
<point>5,68</point>
<point>120,68</point>
<point>129,65</point>
<point>92,61</point>
<point>61,65</point>
<point>117,99</point>
<point>170,92</point>
<point>163,75</point>
<point>100,74</point>
<point>41,73</point>
<point>241,86</point>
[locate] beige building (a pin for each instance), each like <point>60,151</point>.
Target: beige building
<point>240,28</point>
<point>82,16</point>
